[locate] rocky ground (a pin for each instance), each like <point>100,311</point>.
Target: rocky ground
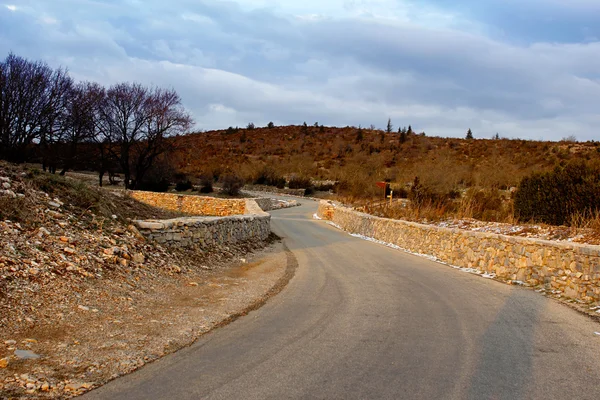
<point>84,298</point>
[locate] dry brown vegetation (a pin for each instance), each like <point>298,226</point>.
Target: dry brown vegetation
<point>334,153</point>
<point>475,174</point>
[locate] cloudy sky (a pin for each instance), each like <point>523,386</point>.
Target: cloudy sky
<point>522,68</point>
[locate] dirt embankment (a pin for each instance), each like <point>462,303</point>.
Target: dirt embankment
<point>84,298</point>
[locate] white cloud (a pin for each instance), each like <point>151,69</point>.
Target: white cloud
<point>370,61</point>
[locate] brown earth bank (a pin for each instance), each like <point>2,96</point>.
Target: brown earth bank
<point>84,298</point>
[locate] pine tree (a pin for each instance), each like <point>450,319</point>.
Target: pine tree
<point>409,131</point>
<point>389,126</point>
<point>469,134</point>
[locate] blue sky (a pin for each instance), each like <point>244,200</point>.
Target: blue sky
<point>528,68</point>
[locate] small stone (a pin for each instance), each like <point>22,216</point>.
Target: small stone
<point>69,250</point>
<point>6,185</point>
<point>53,204</point>
<point>3,362</point>
<point>83,308</point>
<point>45,387</point>
<point>10,342</point>
<point>26,355</point>
<point>149,225</point>
<point>64,239</point>
<point>193,284</point>
<point>43,232</point>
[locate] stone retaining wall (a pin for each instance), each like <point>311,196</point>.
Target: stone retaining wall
<point>273,189</point>
<point>189,204</point>
<point>252,223</point>
<point>571,268</point>
<point>207,231</point>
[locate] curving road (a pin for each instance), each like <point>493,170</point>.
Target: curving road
<point>362,321</point>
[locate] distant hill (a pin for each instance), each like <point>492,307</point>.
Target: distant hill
<point>362,156</point>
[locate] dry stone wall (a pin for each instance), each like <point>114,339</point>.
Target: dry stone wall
<point>571,268</point>
<point>207,231</point>
<point>216,225</point>
<point>272,189</point>
<point>193,205</point>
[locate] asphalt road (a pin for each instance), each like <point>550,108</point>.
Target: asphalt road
<point>362,321</point>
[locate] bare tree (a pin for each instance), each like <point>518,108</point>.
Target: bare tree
<point>167,118</point>
<point>81,120</point>
<point>31,97</point>
<point>134,123</point>
<point>55,116</point>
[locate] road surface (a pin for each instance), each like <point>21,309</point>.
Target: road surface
<point>363,321</point>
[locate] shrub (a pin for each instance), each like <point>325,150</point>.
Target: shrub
<point>553,197</point>
<point>182,183</point>
<point>400,193</point>
<point>424,196</point>
<point>206,184</point>
<point>268,176</point>
<point>231,130</point>
<point>183,186</point>
<point>297,182</point>
<point>250,126</point>
<point>161,185</point>
<point>271,125</point>
<point>487,205</point>
<point>232,184</point>
<point>324,187</point>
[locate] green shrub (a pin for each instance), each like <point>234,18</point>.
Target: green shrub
<point>555,196</point>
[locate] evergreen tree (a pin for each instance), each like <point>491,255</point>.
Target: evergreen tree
<point>389,126</point>
<point>409,131</point>
<point>469,134</point>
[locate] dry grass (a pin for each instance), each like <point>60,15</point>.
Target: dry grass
<point>589,221</point>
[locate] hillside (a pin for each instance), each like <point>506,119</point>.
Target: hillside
<point>360,157</point>
<point>85,298</point>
